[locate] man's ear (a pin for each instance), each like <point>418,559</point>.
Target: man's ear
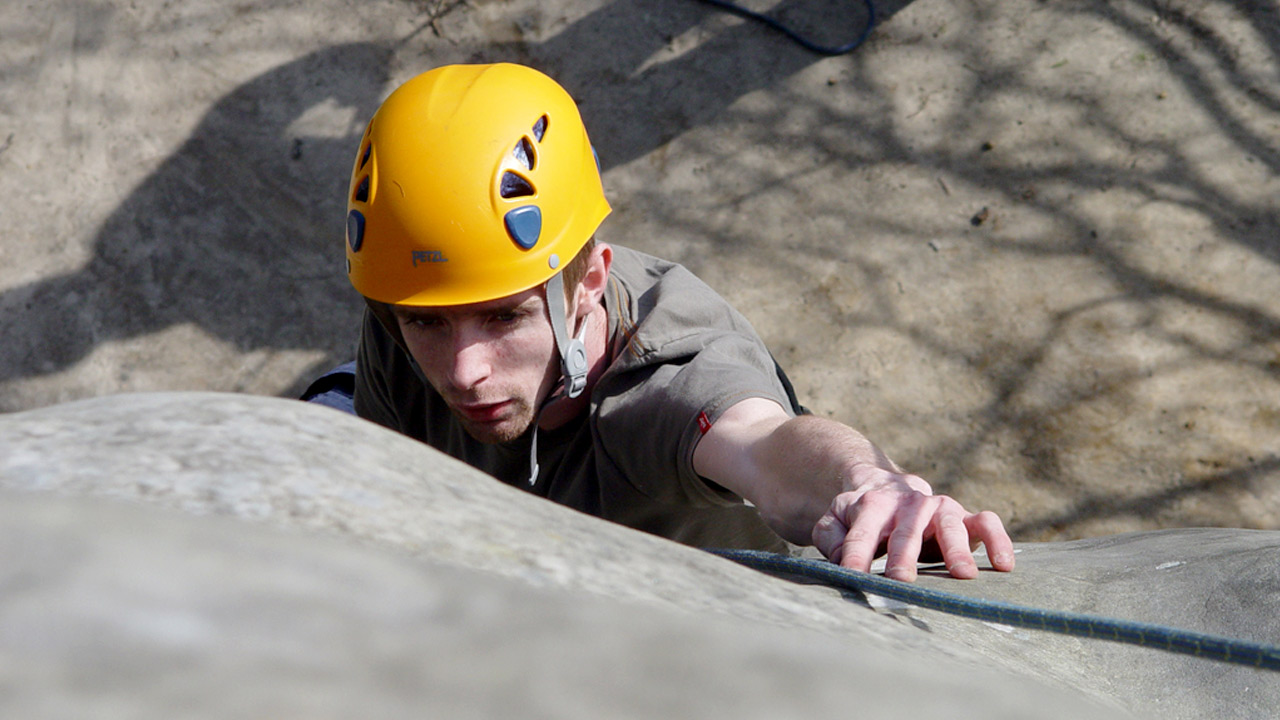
<point>591,290</point>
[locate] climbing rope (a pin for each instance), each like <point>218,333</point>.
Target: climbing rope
<point>1147,635</point>
<point>795,36</point>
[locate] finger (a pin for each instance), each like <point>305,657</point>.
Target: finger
<point>953,539</point>
<point>987,528</point>
<point>868,527</point>
<point>910,523</point>
<point>828,536</point>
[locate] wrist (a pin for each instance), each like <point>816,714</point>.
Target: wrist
<point>863,476</point>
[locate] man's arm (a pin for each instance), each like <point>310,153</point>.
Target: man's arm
<point>817,481</point>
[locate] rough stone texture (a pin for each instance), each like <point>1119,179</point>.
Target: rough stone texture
<point>365,570</point>
<point>1030,247</point>
<point>312,468</point>
<point>111,612</point>
<point>1219,581</point>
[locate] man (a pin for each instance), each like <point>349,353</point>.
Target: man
<point>500,332</point>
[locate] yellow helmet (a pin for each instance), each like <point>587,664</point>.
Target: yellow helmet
<point>473,182</point>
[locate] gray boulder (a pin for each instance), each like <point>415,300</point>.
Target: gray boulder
<point>352,571</point>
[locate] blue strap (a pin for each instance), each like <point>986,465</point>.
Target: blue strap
<point>797,37</point>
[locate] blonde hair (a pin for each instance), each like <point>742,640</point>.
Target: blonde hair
<point>577,268</point>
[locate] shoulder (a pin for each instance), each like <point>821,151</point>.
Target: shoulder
<point>662,310</point>
<point>641,273</point>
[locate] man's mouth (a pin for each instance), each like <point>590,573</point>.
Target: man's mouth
<point>483,413</point>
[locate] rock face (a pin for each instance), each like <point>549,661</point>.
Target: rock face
<point>348,571</point>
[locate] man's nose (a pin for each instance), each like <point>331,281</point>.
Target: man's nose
<point>471,360</point>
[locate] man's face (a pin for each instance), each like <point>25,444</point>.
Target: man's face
<point>492,362</point>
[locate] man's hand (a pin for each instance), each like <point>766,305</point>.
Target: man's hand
<point>820,481</point>
<point>901,512</point>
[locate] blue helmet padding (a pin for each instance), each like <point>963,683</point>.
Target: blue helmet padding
<point>355,230</point>
<point>524,225</point>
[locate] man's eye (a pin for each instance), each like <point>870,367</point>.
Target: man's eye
<point>420,323</point>
<point>507,317</point>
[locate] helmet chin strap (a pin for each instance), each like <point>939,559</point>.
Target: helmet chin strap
<point>573,361</point>
<point>573,353</point>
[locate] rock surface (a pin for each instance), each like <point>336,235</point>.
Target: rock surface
<point>349,570</point>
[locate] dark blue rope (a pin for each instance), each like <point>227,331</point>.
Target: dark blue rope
<point>795,36</point>
<point>1185,642</point>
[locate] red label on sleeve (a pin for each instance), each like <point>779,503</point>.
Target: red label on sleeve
<point>704,423</point>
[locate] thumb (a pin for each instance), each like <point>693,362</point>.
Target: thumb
<point>828,536</point>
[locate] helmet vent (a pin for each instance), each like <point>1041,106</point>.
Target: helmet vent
<point>540,128</point>
<point>364,157</point>
<point>514,186</point>
<point>362,190</point>
<point>524,154</point>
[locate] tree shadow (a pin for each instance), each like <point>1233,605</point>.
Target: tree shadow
<point>234,232</point>
<point>239,231</point>
<point>681,65</point>
<point>1203,57</point>
<point>1097,506</point>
